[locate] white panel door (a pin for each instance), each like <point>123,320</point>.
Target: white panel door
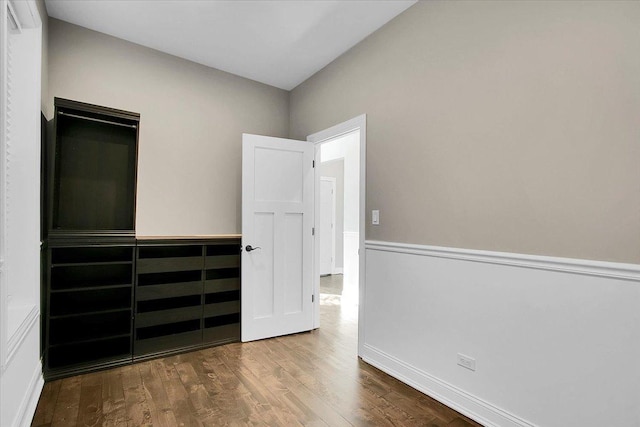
<point>326,225</point>
<point>277,240</point>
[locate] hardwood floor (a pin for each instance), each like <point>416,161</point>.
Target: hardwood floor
<point>311,379</point>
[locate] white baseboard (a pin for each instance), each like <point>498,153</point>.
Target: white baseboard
<point>337,271</point>
<point>29,404</point>
<point>455,398</point>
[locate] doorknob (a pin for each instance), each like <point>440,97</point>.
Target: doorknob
<point>250,248</point>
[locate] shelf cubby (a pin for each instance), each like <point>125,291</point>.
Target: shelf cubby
<point>83,302</point>
<point>221,303</point>
<point>164,344</point>
<point>89,255</point>
<point>163,278</point>
<point>69,330</point>
<point>90,354</point>
<point>168,290</point>
<point>222,329</point>
<point>90,276</point>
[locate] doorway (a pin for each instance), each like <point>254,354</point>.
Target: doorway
<point>330,227</point>
<point>340,154</point>
<point>280,229</point>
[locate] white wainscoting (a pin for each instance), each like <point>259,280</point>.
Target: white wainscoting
<point>21,382</point>
<point>556,341</point>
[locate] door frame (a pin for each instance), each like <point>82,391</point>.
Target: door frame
<point>332,180</point>
<point>356,123</point>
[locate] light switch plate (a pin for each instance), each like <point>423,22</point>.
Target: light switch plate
<point>375,217</point>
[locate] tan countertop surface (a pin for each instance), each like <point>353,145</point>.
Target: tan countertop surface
<point>192,237</point>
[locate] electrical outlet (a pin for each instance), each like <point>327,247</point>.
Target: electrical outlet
<point>467,362</point>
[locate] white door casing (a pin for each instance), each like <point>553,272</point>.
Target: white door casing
<point>277,220</point>
<point>326,225</point>
<point>357,123</point>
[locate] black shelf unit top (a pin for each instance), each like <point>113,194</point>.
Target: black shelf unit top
<point>92,171</point>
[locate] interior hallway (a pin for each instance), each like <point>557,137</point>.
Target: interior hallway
<point>305,379</point>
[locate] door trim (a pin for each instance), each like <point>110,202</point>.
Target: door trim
<point>356,123</point>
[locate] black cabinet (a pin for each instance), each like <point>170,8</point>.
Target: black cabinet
<point>90,174</point>
<point>89,307</point>
<point>109,304</point>
<point>187,295</point>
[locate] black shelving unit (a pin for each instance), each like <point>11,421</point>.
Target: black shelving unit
<point>108,298</point>
<point>113,303</point>
<point>187,295</point>
<point>89,307</point>
<point>89,238</point>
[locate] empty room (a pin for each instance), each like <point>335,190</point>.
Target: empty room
<point>327,213</point>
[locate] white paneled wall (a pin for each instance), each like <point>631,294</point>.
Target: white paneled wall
<point>21,369</point>
<point>555,340</point>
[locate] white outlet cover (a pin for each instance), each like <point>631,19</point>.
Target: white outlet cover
<point>375,217</point>
<point>467,362</point>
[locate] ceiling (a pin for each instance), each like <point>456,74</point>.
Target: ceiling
<point>280,43</point>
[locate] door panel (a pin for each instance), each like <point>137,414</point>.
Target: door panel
<point>284,186</point>
<point>262,265</point>
<point>277,220</point>
<point>293,263</point>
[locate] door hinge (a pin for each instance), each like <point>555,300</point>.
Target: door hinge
<point>313,231</point>
<point>313,298</point>
<point>313,164</point>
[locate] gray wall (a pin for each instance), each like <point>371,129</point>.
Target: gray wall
<point>509,126</point>
<point>335,169</point>
<point>192,120</point>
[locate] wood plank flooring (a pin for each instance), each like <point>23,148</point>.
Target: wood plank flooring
<point>312,379</point>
